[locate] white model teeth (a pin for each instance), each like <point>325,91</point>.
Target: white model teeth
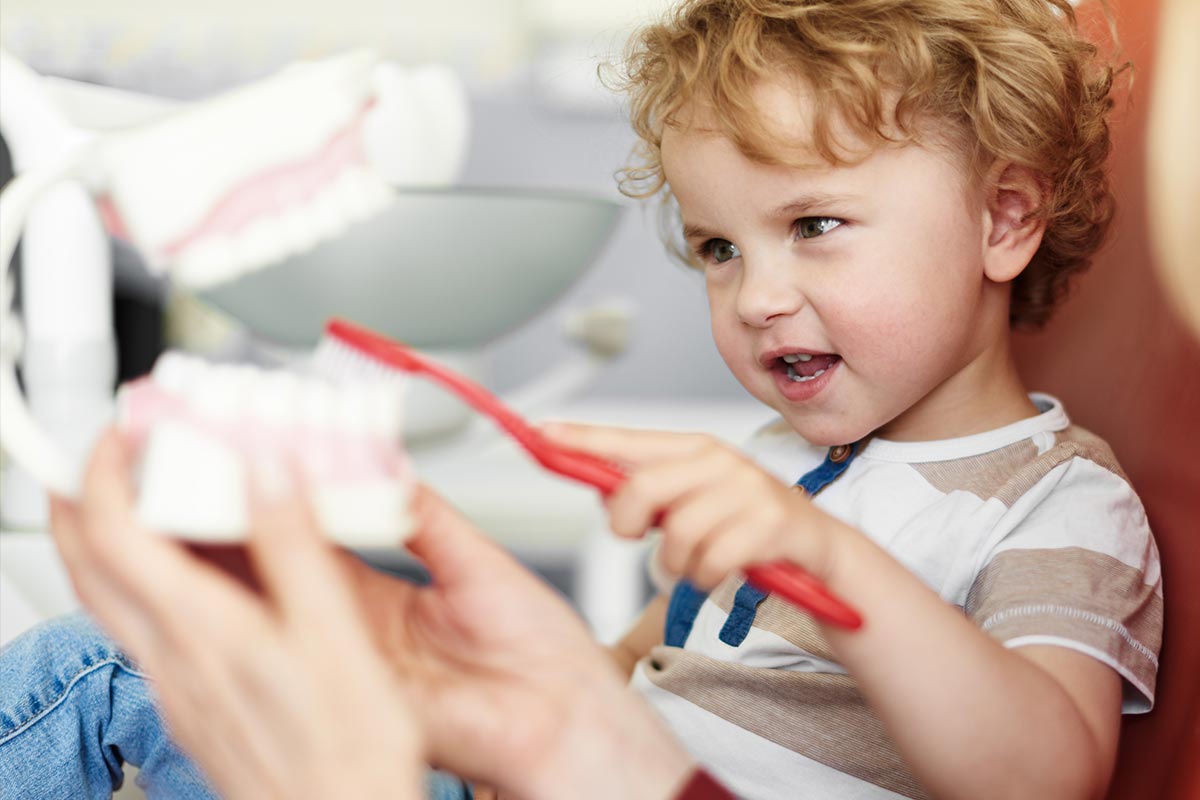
<point>317,402</point>
<point>343,436</point>
<point>174,371</point>
<point>219,258</point>
<point>350,414</point>
<point>275,400</point>
<point>279,398</point>
<point>384,411</point>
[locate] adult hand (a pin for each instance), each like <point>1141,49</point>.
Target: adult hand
<point>510,687</point>
<point>277,693</point>
<point>514,690</point>
<point>717,509</point>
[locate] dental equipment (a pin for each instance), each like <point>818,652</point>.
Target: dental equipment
<point>268,170</point>
<point>199,431</point>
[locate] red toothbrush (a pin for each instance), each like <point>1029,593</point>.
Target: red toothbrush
<point>349,349</point>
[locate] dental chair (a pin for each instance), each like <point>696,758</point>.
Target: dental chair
<point>1126,366</point>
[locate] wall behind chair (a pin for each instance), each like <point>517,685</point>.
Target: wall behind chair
<point>1128,369</point>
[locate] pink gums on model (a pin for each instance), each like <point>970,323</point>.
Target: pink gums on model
<point>267,192</point>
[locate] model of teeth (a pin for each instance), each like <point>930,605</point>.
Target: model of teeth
<point>202,431</point>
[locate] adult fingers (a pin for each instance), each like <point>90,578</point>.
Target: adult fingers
<point>107,495</point>
<point>109,602</point>
<point>450,546</point>
<point>291,554</point>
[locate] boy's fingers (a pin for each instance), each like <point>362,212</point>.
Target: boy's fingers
<point>627,444</point>
<point>659,488</point>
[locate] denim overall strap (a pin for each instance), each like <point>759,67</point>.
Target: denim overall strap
<point>686,599</point>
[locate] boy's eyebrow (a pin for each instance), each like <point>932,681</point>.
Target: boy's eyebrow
<point>697,232</point>
<point>798,205</point>
<point>809,202</point>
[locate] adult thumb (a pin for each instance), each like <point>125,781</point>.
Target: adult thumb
<point>450,546</point>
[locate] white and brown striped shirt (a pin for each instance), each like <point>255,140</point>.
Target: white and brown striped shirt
<point>1032,530</point>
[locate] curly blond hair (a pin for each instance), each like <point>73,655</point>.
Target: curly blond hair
<point>1013,77</point>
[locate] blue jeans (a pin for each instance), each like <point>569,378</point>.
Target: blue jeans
<point>74,710</point>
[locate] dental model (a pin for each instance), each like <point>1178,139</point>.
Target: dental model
<point>201,430</point>
<point>207,194</point>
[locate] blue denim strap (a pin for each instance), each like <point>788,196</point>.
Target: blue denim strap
<point>681,613</point>
<point>824,474</point>
<point>741,616</point>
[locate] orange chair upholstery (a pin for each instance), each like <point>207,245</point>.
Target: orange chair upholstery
<point>1127,369</point>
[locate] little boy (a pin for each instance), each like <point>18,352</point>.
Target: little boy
<point>876,192</point>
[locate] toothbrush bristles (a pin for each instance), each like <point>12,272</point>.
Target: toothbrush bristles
<point>338,362</point>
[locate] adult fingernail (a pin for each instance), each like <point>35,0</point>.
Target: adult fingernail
<point>270,478</point>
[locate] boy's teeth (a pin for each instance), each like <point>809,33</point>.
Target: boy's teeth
<point>792,358</point>
<point>791,373</point>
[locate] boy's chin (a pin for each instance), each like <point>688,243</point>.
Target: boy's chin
<point>820,431</point>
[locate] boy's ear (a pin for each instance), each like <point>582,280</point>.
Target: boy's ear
<point>1012,235</point>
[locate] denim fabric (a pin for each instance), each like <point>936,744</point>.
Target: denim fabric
<point>682,609</point>
<point>443,786</point>
<point>73,711</point>
<point>741,615</point>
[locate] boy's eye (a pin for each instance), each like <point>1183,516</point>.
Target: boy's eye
<point>812,227</point>
<point>720,250</point>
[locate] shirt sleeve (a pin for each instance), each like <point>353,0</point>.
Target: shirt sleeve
<point>1075,565</point>
<point>703,787</point>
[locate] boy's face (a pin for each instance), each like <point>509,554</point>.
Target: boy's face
<point>871,274</point>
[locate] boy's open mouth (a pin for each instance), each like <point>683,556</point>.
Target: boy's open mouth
<point>802,367</point>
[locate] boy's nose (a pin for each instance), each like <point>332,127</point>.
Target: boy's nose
<point>766,293</point>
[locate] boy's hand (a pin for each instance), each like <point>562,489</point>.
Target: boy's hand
<point>718,510</point>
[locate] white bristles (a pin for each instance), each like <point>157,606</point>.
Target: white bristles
<point>339,362</point>
<point>341,365</point>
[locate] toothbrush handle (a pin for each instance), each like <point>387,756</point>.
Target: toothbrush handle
<point>805,591</point>
<point>787,580</point>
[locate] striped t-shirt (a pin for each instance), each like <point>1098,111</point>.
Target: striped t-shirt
<point>1032,530</point>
